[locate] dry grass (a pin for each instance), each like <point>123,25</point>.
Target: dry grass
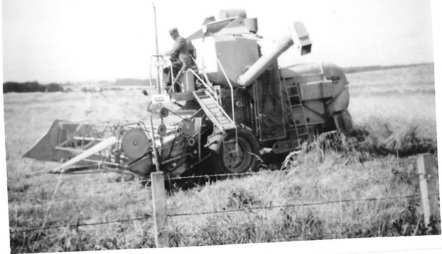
<point>91,198</point>
<point>311,181</point>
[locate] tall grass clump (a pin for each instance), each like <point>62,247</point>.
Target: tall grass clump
<point>358,190</point>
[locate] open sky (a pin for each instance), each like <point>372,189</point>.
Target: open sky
<point>75,40</point>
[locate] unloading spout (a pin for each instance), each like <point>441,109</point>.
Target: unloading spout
<point>299,36</point>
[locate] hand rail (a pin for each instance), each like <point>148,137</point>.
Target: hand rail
<point>202,68</point>
<point>161,65</point>
<point>232,100</point>
<point>231,89</point>
<point>156,64</point>
<point>203,82</point>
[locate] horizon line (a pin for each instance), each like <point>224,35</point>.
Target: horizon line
<point>115,79</point>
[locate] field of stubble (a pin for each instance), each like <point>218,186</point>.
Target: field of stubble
<point>383,103</point>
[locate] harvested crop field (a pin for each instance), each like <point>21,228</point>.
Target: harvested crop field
<point>396,103</point>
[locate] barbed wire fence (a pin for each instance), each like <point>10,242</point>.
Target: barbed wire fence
<point>428,185</point>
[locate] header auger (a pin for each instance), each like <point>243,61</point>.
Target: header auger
<point>238,101</point>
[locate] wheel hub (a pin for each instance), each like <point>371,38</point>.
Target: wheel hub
<point>236,156</point>
<point>233,155</point>
<point>135,143</point>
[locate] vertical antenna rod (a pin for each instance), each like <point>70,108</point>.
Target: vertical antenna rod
<point>157,51</point>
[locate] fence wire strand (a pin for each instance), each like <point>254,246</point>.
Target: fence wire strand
<point>213,212</point>
<point>269,207</point>
<point>22,230</point>
<point>215,175</point>
<point>329,235</point>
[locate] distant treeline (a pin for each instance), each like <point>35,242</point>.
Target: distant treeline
<point>34,86</point>
<point>379,67</point>
<point>26,87</point>
<point>132,82</point>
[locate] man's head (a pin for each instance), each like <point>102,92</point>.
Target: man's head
<point>174,33</point>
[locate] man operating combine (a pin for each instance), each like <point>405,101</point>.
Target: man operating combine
<point>182,57</point>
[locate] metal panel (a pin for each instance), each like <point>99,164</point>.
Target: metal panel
<point>236,55</point>
<point>269,106</point>
<point>206,54</point>
<point>317,90</point>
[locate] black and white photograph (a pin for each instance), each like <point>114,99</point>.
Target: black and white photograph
<point>158,124</point>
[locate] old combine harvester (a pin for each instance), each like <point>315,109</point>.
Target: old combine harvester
<point>244,104</point>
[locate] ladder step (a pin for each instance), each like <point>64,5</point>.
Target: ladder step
<point>294,96</point>
<point>319,82</point>
<point>214,110</point>
<point>295,99</point>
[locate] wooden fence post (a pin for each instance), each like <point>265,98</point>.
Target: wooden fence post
<point>429,186</point>
<point>159,209</point>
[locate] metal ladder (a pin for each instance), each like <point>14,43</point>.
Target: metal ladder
<point>295,101</point>
<point>214,111</point>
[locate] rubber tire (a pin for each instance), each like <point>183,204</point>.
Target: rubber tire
<point>243,136</point>
<point>343,122</point>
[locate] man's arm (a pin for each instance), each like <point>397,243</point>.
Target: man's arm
<point>180,43</point>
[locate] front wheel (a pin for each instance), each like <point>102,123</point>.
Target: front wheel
<point>240,157</point>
